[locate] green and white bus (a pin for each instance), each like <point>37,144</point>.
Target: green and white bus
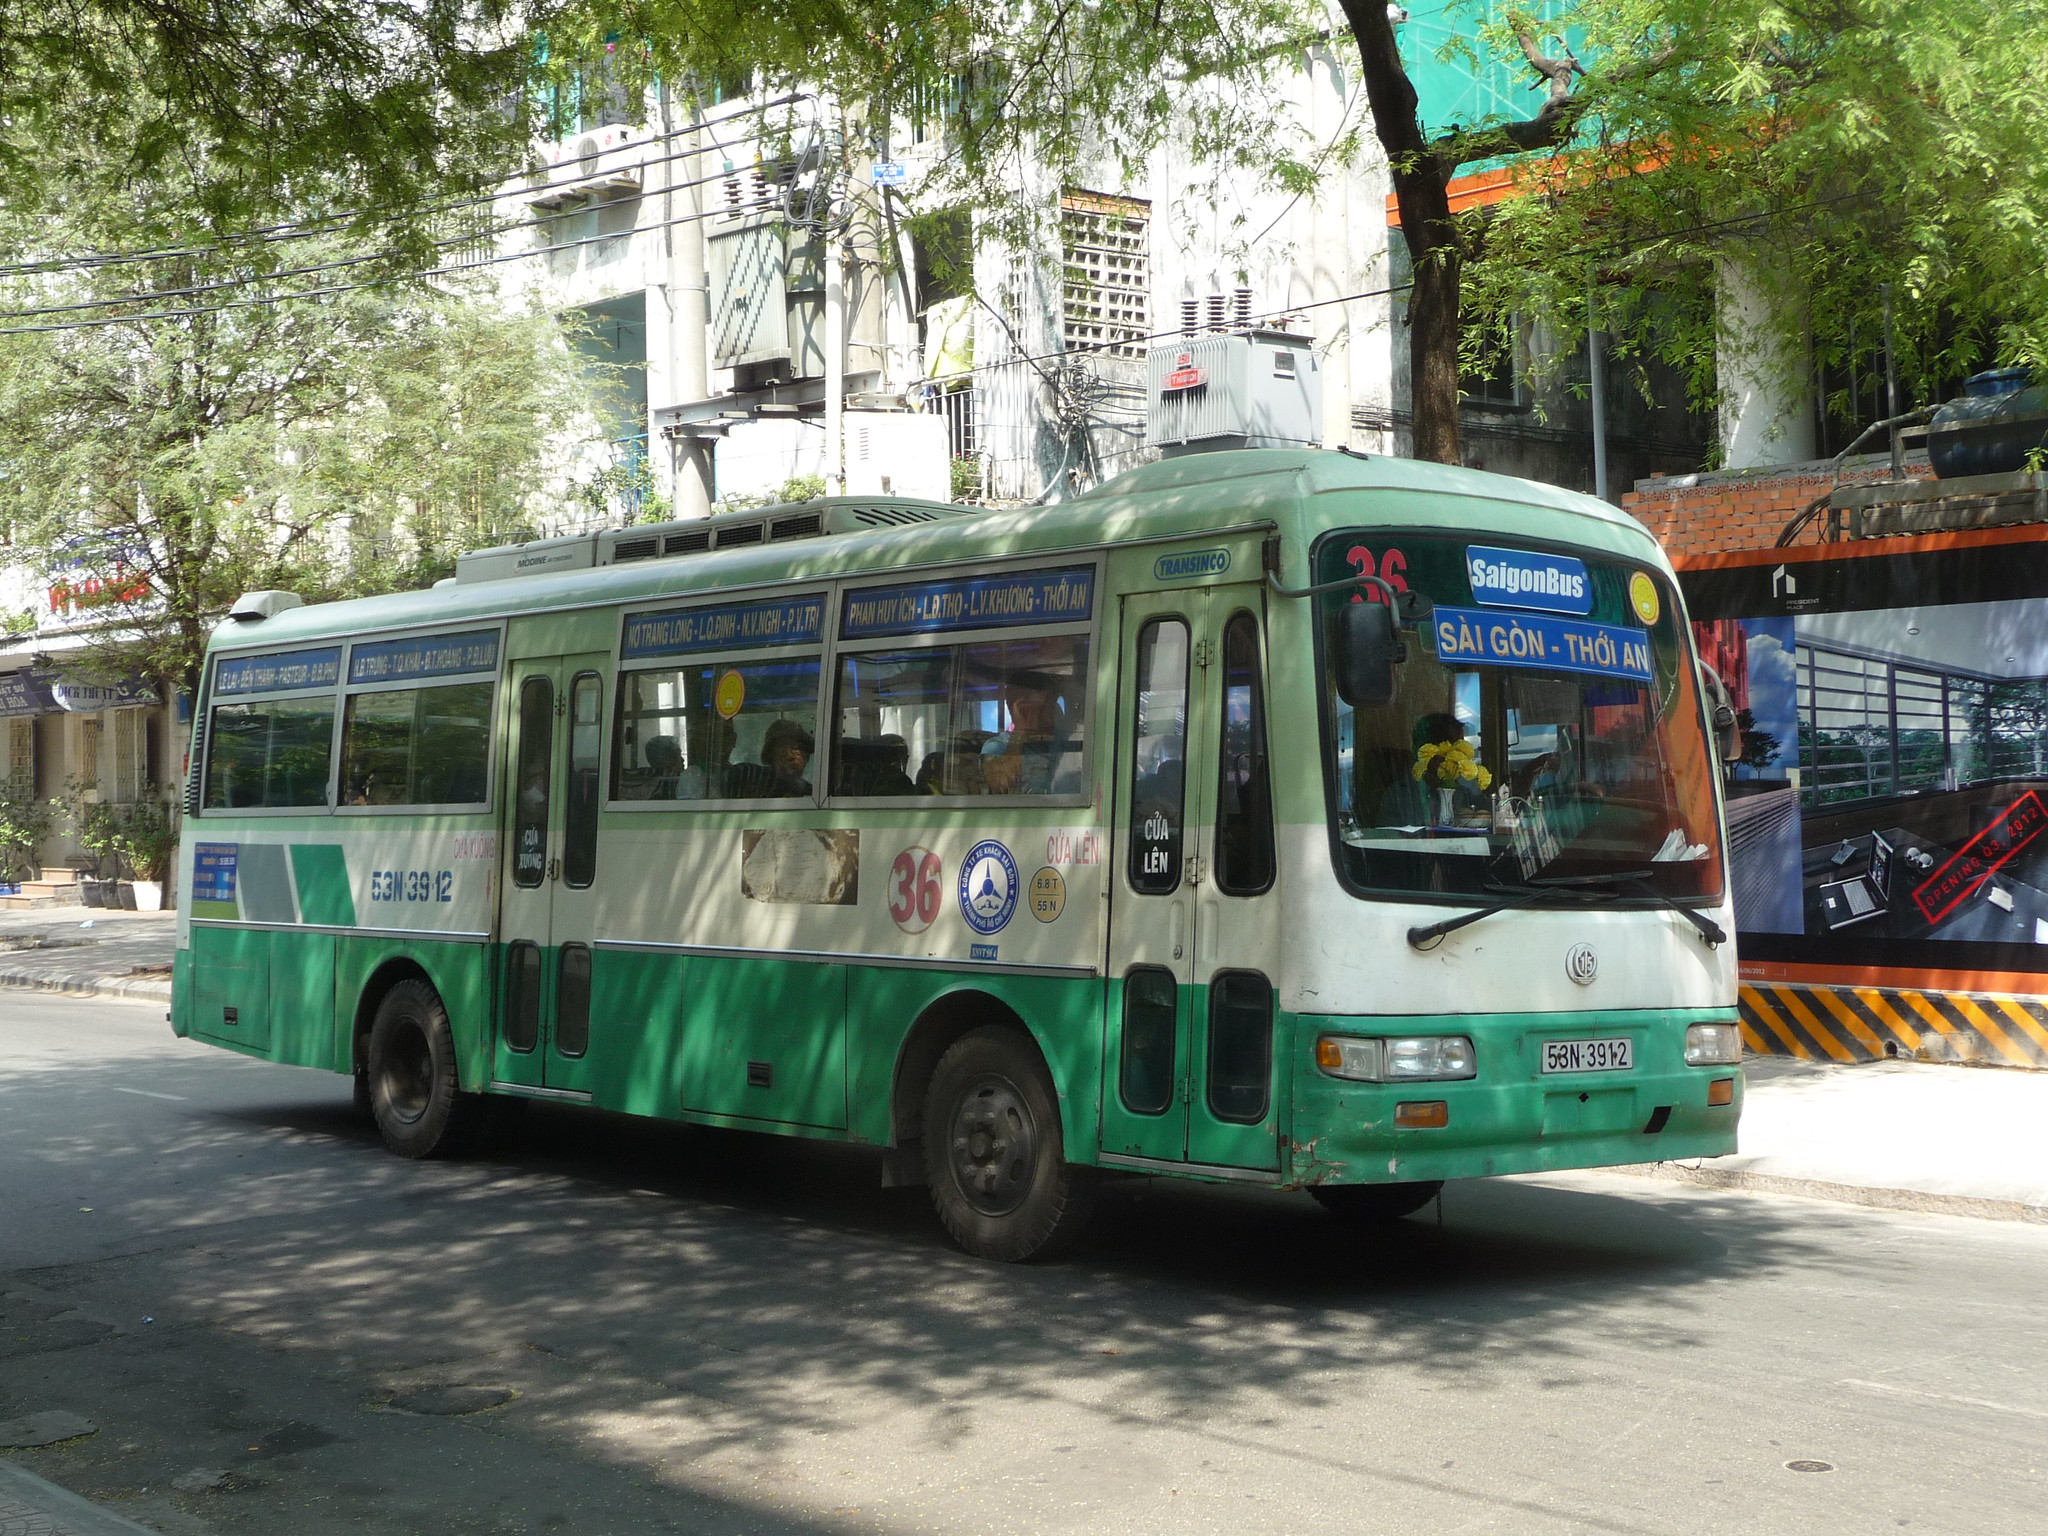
<point>1288,818</point>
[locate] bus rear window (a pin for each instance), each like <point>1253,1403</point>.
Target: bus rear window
<point>417,746</point>
<point>269,753</point>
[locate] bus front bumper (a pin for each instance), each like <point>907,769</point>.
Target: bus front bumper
<point>1511,1118</point>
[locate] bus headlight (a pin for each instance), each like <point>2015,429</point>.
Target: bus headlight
<point>1403,1059</point>
<point>1713,1045</point>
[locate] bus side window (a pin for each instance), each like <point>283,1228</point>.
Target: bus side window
<point>1244,793</point>
<point>579,845</point>
<point>522,995</point>
<point>1145,1078</point>
<point>1159,751</point>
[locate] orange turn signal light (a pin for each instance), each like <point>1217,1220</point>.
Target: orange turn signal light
<point>1328,1055</point>
<point>1422,1115</point>
<point>1721,1092</point>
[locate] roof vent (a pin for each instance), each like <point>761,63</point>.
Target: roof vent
<point>686,543</point>
<point>801,526</point>
<point>635,549</point>
<point>253,606</point>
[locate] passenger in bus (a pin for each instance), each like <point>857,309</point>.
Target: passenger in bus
<point>665,767</point>
<point>786,750</point>
<point>956,768</point>
<point>1037,754</point>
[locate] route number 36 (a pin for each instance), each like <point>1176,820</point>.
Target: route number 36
<point>916,887</point>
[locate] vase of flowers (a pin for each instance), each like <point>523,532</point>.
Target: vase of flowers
<point>1445,767</point>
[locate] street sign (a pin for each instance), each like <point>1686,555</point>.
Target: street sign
<point>889,173</point>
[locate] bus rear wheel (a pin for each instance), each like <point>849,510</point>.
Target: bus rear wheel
<point>993,1154</point>
<point>415,1094</point>
<point>1374,1202</point>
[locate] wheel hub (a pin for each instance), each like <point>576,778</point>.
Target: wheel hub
<point>408,1074</point>
<point>994,1146</point>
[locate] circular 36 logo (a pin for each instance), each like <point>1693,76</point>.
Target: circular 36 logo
<point>988,887</point>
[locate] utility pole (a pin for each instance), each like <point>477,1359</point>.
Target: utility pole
<point>689,308</point>
<point>835,365</point>
<point>1597,356</point>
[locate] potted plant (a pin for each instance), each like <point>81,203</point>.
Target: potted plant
<point>25,823</point>
<point>148,839</point>
<point>98,831</point>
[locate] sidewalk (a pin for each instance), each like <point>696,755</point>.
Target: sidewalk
<point>30,1506</point>
<point>89,952</point>
<point>1902,1135</point>
<point>1899,1135</point>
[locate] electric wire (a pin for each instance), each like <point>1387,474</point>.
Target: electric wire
<point>327,224</point>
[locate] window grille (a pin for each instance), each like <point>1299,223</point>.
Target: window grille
<point>1106,246</point>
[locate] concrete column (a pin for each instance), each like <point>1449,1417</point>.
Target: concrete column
<point>689,309</point>
<point>1765,377</point>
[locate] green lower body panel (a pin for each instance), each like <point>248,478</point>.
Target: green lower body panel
<point>1512,1117</point>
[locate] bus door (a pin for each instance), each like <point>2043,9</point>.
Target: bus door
<point>1189,1069</point>
<point>554,789</point>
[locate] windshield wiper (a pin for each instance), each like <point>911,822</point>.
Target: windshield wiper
<point>1520,896</point>
<point>1710,930</point>
<point>1574,887</point>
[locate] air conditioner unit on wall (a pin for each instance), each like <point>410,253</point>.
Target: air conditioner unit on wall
<point>1238,389</point>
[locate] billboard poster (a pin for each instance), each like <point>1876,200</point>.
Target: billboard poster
<point>1890,808</point>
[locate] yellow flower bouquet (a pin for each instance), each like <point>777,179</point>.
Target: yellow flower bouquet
<point>1450,764</point>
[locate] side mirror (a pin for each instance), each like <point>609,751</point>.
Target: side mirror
<point>1366,648</point>
<point>1721,715</point>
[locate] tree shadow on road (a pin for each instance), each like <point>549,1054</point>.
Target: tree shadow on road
<point>666,1294</point>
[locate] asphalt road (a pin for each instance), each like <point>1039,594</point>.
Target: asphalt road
<point>608,1326</point>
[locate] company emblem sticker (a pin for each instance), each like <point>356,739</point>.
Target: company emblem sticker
<point>988,887</point>
<point>730,694</point>
<point>1581,964</point>
<point>1048,894</point>
<point>1199,562</point>
<point>915,889</point>
<point>1523,578</point>
<point>1642,596</point>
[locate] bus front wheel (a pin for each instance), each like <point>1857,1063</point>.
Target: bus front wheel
<point>1374,1202</point>
<point>415,1094</point>
<point>993,1154</point>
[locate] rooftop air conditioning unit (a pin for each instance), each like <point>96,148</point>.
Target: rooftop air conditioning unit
<point>1238,389</point>
<point>538,557</point>
<point>769,525</point>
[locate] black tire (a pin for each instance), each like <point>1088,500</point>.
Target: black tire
<point>1374,1202</point>
<point>993,1154</point>
<point>415,1095</point>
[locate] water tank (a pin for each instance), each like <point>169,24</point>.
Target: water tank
<point>1999,420</point>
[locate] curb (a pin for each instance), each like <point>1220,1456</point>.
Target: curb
<point>131,989</point>
<point>63,1512</point>
<point>1925,1202</point>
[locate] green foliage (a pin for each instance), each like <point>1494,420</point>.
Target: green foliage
<point>146,834</point>
<point>25,823</point>
<point>796,488</point>
<point>394,100</point>
<point>965,478</point>
<point>1829,149</point>
<point>95,824</point>
<point>334,444</point>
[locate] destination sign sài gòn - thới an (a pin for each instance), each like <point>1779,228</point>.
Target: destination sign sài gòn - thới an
<point>1537,640</point>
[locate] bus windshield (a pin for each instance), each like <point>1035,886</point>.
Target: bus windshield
<point>1546,726</point>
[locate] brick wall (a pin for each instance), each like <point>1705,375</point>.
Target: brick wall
<point>1744,508</point>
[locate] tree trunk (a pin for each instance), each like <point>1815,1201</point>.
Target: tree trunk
<point>1422,192</point>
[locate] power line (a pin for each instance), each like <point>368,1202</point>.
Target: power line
<point>335,288</point>
<point>270,234</point>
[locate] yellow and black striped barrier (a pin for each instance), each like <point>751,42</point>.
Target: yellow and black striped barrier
<point>1823,1023</point>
